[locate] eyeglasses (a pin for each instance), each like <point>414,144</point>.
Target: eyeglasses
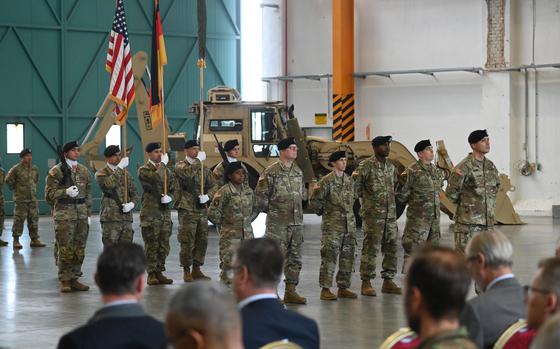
<point>528,290</point>
<point>230,271</point>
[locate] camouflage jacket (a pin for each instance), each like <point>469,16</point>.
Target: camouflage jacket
<point>64,207</point>
<point>233,209</point>
<point>22,181</point>
<point>455,339</point>
<point>375,184</point>
<point>152,180</point>
<point>333,198</point>
<point>111,183</point>
<point>473,186</point>
<point>219,174</point>
<point>421,190</point>
<point>1,185</point>
<point>188,185</point>
<point>279,193</point>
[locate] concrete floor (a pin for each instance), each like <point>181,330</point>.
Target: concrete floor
<point>34,314</point>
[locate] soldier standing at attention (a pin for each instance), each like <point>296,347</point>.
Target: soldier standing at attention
<point>116,213</point>
<point>2,242</point>
<point>68,191</point>
<point>22,180</point>
<point>232,210</point>
<point>155,215</point>
<point>279,193</point>
<point>423,183</point>
<point>233,152</point>
<point>376,180</point>
<point>333,198</point>
<point>473,186</point>
<point>192,207</point>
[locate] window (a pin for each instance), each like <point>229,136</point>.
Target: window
<point>263,129</point>
<point>14,138</point>
<point>266,150</point>
<point>226,125</point>
<point>113,136</point>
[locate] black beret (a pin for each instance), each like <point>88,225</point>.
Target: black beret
<point>24,152</point>
<point>111,150</point>
<point>232,143</point>
<point>152,146</point>
<point>190,143</point>
<point>286,142</point>
<point>477,135</point>
<point>337,155</point>
<point>380,140</point>
<point>69,146</point>
<point>231,168</point>
<point>422,145</point>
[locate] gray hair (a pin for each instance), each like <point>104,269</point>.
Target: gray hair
<point>494,246</point>
<point>549,334</point>
<point>209,307</point>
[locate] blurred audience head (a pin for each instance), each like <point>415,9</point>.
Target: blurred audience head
<point>542,296</point>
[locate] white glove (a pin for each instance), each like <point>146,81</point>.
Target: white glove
<point>203,199</point>
<point>89,221</point>
<point>123,163</point>
<point>165,199</point>
<point>127,207</point>
<point>72,191</point>
<point>165,159</point>
<point>201,155</point>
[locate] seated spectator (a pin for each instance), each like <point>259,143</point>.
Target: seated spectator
<point>257,269</point>
<point>203,315</point>
<point>548,336</point>
<point>486,317</point>
<point>437,284</point>
<point>121,323</point>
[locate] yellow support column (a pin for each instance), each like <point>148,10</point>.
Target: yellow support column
<point>343,70</point>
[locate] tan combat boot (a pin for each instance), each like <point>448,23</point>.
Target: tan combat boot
<point>187,277</point>
<point>346,293</point>
<point>163,280</point>
<point>367,289</point>
<point>405,265</point>
<point>327,295</point>
<point>75,285</point>
<point>3,243</point>
<point>198,275</point>
<point>390,287</point>
<point>17,244</point>
<point>291,295</point>
<point>65,287</point>
<point>152,279</point>
<point>37,243</point>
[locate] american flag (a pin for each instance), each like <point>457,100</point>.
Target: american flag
<point>119,65</point>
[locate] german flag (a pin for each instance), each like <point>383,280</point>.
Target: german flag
<point>158,60</point>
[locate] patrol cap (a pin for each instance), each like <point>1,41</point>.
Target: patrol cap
<point>231,168</point>
<point>69,146</point>
<point>380,140</point>
<point>111,150</point>
<point>422,145</point>
<point>24,152</point>
<point>286,143</point>
<point>152,146</point>
<point>337,155</point>
<point>232,143</point>
<point>190,143</point>
<point>477,136</point>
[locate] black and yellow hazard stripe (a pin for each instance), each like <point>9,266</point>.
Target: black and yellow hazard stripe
<point>343,118</point>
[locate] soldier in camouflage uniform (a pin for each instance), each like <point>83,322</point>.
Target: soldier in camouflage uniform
<point>192,207</point>
<point>279,193</point>
<point>423,183</point>
<point>22,180</point>
<point>116,213</point>
<point>68,191</point>
<point>473,186</point>
<point>2,242</point>
<point>232,209</point>
<point>233,152</point>
<point>333,198</point>
<point>155,214</point>
<point>376,179</point>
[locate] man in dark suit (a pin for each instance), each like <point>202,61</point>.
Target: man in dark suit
<point>487,316</point>
<point>255,273</point>
<point>121,322</point>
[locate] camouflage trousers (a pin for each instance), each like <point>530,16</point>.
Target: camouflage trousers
<point>71,238</point>
<point>156,236</point>
<point>116,232</point>
<point>193,237</point>
<point>463,234</point>
<point>379,232</point>
<point>290,238</point>
<point>1,215</point>
<point>228,241</point>
<point>341,246</point>
<point>417,233</point>
<point>23,211</point>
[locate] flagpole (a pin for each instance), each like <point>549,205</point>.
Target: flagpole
<point>164,132</point>
<point>124,156</point>
<point>201,65</point>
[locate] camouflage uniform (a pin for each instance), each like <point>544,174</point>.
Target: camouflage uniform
<point>473,187</point>
<point>232,210</point>
<point>423,183</point>
<point>454,339</point>
<point>279,193</point>
<point>375,184</point>
<point>333,198</point>
<point>155,217</point>
<point>22,180</point>
<point>193,217</point>
<point>116,225</point>
<point>219,174</point>
<point>1,201</point>
<point>70,218</point>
